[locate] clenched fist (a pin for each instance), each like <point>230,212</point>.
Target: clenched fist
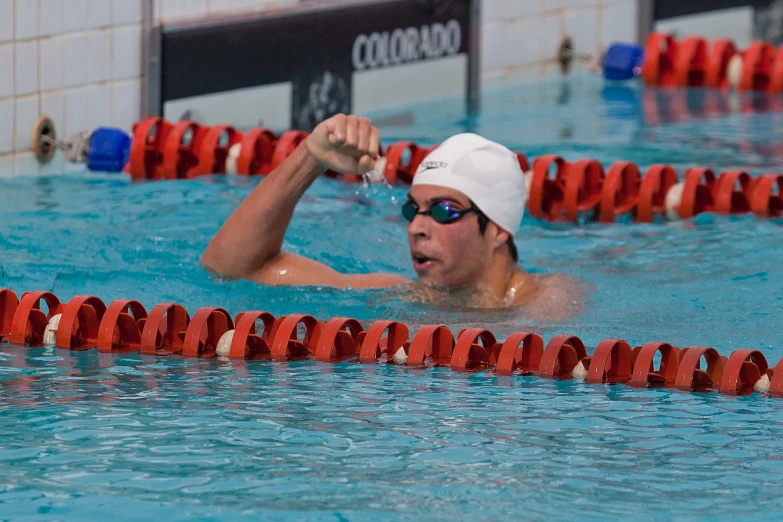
<point>346,144</point>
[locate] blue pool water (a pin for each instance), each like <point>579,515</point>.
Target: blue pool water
<point>170,438</point>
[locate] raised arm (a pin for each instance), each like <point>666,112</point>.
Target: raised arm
<point>248,244</point>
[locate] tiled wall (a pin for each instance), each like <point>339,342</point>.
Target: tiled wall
<point>520,38</point>
<point>80,61</point>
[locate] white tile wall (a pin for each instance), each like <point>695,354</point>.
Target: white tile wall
<point>80,62</point>
<point>99,55</point>
<point>6,131</point>
<point>98,14</point>
<point>26,116</point>
<point>125,12</point>
<point>530,32</point>
<point>7,68</point>
<point>68,59</point>
<point>6,20</point>
<point>52,63</point>
<point>75,59</point>
<point>51,17</point>
<point>26,67</point>
<point>26,19</point>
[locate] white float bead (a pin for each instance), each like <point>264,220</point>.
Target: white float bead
<point>50,332</point>
<point>734,70</point>
<point>400,357</point>
<point>672,202</point>
<point>579,373</point>
<point>762,385</point>
<point>232,157</point>
<point>224,344</point>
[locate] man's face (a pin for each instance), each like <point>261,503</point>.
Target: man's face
<point>447,255</point>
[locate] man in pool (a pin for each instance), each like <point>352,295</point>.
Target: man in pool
<point>465,204</point>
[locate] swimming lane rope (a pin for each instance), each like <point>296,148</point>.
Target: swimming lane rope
<point>558,190</point>
<point>85,323</point>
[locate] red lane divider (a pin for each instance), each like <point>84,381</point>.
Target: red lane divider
<point>644,372</point>
<point>246,343</point>
<point>164,329</point>
<point>8,304</point>
<point>125,326</point>
<point>121,327</point>
<point>29,322</point>
<point>374,345</point>
<point>205,330</point>
<point>181,150</point>
<point>146,152</point>
<point>559,190</point>
<point>693,62</point>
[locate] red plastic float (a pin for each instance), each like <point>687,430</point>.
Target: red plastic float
<point>721,52</point>
<point>374,345</point>
<point>287,143</point>
<point>164,329</point>
<point>644,372</point>
<point>121,327</point>
<point>733,192</point>
<point>563,352</point>
<point>652,192</point>
<point>620,191</point>
<point>659,58</point>
<point>255,155</point>
<point>286,344</point>
<point>691,378</point>
<point>697,192</point>
<point>81,317</point>
<point>29,322</point>
<point>582,192</point>
<point>146,152</point>
<point>181,150</point>
<point>468,354</point>
<point>339,340</point>
<point>690,62</point>
<point>545,200</point>
<point>520,352</point>
<point>247,343</point>
<point>776,74</point>
<point>743,369</point>
<point>757,63</point>
<point>8,303</point>
<point>610,363</point>
<point>398,170</point>
<point>766,199</point>
<point>214,149</point>
<point>435,342</point>
<point>205,330</point>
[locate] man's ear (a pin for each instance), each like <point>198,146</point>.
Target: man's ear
<point>500,236</point>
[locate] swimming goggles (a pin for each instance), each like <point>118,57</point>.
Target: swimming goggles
<point>442,212</point>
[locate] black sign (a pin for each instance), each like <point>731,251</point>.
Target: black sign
<point>317,51</point>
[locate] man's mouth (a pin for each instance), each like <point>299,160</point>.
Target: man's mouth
<point>422,262</point>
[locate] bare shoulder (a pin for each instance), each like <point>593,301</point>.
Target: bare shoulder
<point>557,297</point>
<point>289,269</point>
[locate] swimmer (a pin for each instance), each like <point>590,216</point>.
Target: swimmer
<point>464,207</point>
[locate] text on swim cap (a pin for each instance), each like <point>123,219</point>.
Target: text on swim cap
<point>427,165</point>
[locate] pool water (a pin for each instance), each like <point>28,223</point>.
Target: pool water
<point>170,438</point>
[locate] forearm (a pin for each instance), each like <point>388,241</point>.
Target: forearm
<point>253,234</point>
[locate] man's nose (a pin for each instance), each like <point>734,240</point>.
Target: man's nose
<point>420,226</point>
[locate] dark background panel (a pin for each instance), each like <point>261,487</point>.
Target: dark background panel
<point>311,49</point>
<point>672,8</point>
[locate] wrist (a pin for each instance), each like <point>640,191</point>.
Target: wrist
<point>310,160</point>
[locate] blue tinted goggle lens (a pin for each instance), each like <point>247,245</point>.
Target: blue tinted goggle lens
<point>442,212</point>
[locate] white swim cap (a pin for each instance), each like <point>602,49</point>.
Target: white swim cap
<point>486,172</point>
